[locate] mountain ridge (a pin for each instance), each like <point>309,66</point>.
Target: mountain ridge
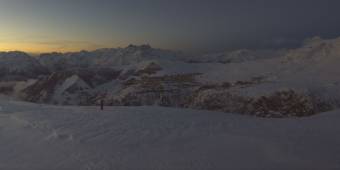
<point>238,82</point>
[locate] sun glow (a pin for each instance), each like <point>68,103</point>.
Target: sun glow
<point>43,47</point>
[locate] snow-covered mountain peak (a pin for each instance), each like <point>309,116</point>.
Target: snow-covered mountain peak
<point>316,50</point>
<point>313,40</point>
<point>107,57</point>
<point>16,54</point>
<point>139,47</point>
<point>17,65</point>
<point>239,56</point>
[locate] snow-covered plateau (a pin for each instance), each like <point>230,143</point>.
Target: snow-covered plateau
<point>41,137</point>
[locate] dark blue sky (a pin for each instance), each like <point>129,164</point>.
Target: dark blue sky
<point>190,25</point>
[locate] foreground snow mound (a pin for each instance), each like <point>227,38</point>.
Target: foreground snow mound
<point>44,137</point>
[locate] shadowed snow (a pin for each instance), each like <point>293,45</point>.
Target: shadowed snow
<point>39,137</point>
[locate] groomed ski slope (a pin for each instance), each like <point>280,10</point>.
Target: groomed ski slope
<point>42,137</point>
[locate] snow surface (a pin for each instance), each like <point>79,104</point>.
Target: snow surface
<point>40,137</point>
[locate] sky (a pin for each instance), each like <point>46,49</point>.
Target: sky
<point>187,25</point>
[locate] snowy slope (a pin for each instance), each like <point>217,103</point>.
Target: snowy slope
<point>40,137</point>
<point>71,84</point>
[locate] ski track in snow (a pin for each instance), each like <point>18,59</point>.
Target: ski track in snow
<point>40,137</point>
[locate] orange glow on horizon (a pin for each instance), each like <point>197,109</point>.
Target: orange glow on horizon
<point>48,47</point>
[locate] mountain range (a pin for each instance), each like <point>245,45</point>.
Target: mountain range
<point>266,83</point>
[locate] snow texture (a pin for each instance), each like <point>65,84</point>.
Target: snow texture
<point>40,137</point>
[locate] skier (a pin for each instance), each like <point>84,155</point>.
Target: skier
<point>101,104</point>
